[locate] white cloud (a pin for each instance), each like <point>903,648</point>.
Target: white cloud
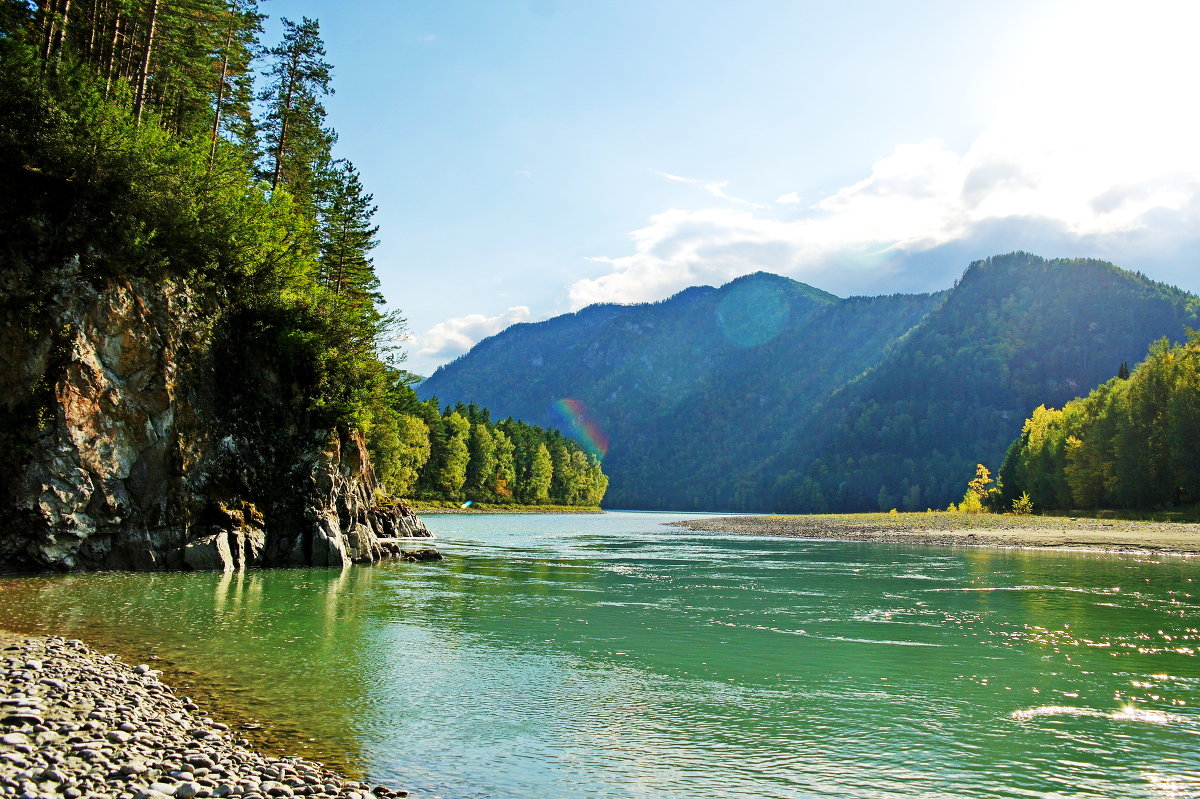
<point>1093,149</point>
<point>716,188</point>
<point>453,337</point>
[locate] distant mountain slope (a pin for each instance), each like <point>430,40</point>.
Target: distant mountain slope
<point>1016,331</point>
<point>767,394</point>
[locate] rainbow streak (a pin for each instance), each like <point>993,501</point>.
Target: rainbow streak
<point>581,427</point>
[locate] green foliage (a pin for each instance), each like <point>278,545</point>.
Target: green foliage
<point>981,493</point>
<point>399,450</point>
<point>1022,505</point>
<point>458,453</point>
<point>294,134</point>
<point>1130,444</point>
<point>541,474</point>
<point>139,162</point>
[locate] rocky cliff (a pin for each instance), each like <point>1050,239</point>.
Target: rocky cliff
<point>145,426</point>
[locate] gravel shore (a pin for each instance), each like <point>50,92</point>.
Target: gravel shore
<point>75,723</point>
<point>956,529</point>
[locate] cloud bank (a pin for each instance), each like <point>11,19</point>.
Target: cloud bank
<point>919,198</point>
<point>453,337</point>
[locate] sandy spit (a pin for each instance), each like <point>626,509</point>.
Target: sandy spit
<point>954,529</point>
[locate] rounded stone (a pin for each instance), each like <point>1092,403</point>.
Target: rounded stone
<point>188,790</point>
<point>52,775</point>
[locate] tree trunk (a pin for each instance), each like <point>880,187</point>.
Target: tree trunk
<point>130,35</point>
<point>216,128</point>
<point>60,35</point>
<point>283,119</point>
<point>46,24</point>
<point>93,26</point>
<point>144,72</point>
<point>114,44</point>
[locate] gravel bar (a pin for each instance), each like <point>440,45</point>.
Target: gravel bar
<point>959,529</point>
<point>76,724</point>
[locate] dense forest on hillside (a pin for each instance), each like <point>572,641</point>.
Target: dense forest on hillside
<point>691,391</point>
<point>766,394</point>
<point>159,139</point>
<point>1017,331</point>
<point>459,453</point>
<point>1132,443</point>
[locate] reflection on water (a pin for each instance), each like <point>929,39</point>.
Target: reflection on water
<point>607,655</point>
<point>245,643</point>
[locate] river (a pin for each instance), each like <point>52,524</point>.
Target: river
<point>607,655</point>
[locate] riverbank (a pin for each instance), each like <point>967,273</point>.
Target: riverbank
<point>437,507</point>
<point>77,723</point>
<point>957,529</point>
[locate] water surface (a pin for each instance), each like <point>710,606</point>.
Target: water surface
<point>587,656</point>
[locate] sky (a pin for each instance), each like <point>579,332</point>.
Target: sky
<point>531,157</point>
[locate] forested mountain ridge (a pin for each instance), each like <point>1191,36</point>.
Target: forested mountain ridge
<point>656,378</point>
<point>766,394</point>
<point>1015,332</point>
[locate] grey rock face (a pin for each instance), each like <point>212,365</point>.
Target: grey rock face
<point>146,431</point>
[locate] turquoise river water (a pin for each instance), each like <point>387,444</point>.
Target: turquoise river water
<point>608,655</point>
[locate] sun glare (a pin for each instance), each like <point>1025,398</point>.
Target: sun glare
<point>1108,87</point>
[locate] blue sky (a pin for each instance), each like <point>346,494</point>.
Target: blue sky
<point>530,157</point>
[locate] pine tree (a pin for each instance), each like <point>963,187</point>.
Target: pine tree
<point>235,83</point>
<point>481,468</point>
<point>346,238</point>
<point>298,143</point>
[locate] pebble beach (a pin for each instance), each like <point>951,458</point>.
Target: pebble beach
<point>77,723</point>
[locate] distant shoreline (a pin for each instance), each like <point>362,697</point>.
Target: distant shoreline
<point>423,509</point>
<point>982,530</point>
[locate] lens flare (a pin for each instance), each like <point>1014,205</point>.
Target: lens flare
<point>752,313</point>
<point>574,417</point>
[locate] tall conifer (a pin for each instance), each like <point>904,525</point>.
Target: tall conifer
<point>293,127</point>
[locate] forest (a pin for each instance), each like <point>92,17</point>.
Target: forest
<point>162,139</point>
<point>1132,443</point>
<point>460,454</point>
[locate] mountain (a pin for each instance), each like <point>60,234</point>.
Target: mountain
<point>768,394</point>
